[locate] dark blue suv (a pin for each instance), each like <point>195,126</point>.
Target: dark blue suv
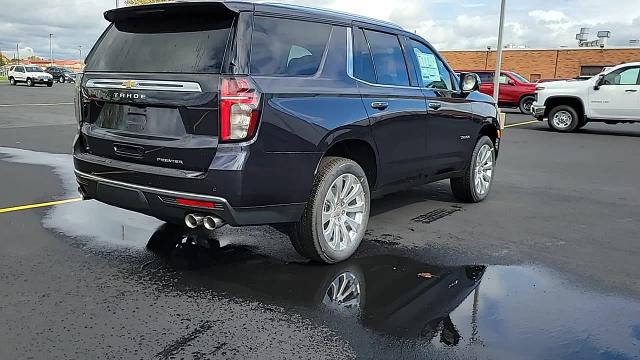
<point>213,113</point>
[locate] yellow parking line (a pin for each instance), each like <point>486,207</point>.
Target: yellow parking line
<point>33,206</point>
<point>522,123</point>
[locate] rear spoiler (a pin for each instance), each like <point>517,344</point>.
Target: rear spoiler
<point>175,8</point>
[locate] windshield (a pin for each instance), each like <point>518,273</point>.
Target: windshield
<point>32,69</point>
<point>519,78</point>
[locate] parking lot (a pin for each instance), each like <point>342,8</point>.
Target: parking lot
<point>546,268</point>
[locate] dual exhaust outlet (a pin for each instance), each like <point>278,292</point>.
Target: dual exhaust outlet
<point>210,222</point>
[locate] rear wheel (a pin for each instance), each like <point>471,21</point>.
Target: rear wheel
<point>12,81</point>
<point>30,82</point>
<point>336,216</point>
<point>475,184</point>
<point>61,79</point>
<point>525,104</point>
<point>563,118</point>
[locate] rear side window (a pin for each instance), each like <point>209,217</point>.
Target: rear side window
<point>283,47</point>
<point>163,43</point>
<point>388,58</point>
<point>362,62</point>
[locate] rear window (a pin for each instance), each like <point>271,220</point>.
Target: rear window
<point>162,43</point>
<point>287,47</point>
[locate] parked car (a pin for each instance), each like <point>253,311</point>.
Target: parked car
<point>612,97</point>
<point>304,118</point>
<point>515,90</point>
<point>62,75</point>
<point>29,74</point>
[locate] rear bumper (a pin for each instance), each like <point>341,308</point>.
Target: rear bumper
<point>161,203</point>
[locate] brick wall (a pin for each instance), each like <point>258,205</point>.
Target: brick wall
<point>546,64</point>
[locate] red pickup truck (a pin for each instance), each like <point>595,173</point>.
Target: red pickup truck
<point>515,91</point>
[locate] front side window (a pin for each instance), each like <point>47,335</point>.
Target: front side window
<point>625,76</point>
<point>503,79</point>
<point>520,78</point>
<point>433,72</point>
<point>283,47</point>
<point>388,58</point>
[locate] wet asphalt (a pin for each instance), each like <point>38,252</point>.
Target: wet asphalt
<point>546,268</point>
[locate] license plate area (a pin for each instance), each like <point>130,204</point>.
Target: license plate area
<point>142,120</point>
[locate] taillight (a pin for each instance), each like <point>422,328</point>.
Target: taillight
<point>239,108</point>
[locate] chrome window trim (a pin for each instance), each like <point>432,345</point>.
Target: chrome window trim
<point>350,66</point>
<point>153,85</point>
<point>153,190</point>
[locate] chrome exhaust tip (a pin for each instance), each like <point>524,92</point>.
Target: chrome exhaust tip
<point>212,222</point>
<point>193,220</point>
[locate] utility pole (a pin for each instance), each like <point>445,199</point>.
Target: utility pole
<point>117,4</point>
<point>50,51</point>
<point>80,50</point>
<point>496,76</point>
<point>17,53</point>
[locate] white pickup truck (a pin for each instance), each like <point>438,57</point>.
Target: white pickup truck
<point>29,74</point>
<point>611,97</point>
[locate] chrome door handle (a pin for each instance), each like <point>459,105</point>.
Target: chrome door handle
<point>631,90</point>
<point>380,105</point>
<point>435,105</point>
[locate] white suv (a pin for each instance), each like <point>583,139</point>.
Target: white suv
<point>29,74</point>
<point>611,97</point>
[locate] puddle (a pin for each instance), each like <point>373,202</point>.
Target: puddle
<point>378,304</point>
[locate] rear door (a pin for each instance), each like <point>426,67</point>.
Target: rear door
<point>396,109</point>
<point>151,86</point>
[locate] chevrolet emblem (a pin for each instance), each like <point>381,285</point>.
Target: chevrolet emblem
<point>129,84</point>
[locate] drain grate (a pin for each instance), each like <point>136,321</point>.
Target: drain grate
<point>434,215</point>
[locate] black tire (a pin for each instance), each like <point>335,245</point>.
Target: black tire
<point>525,104</point>
<point>307,234</point>
<point>582,124</point>
<point>463,187</point>
<point>50,84</point>
<point>30,83</point>
<point>12,81</point>
<point>571,118</point>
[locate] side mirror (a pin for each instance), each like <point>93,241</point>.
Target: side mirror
<point>469,82</point>
<point>599,82</point>
<point>511,82</point>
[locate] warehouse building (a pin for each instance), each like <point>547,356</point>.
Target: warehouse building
<point>536,64</point>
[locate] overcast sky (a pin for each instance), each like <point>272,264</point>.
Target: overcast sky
<point>448,24</point>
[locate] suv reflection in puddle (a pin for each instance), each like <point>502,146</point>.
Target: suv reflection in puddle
<point>383,292</point>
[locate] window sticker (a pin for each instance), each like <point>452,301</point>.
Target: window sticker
<point>428,67</point>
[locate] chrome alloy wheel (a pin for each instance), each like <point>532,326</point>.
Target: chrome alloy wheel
<point>483,170</point>
<point>344,292</point>
<point>343,213</point>
<point>562,119</point>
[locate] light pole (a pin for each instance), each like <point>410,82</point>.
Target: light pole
<point>80,50</point>
<point>117,4</point>
<point>496,76</point>
<point>50,50</point>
